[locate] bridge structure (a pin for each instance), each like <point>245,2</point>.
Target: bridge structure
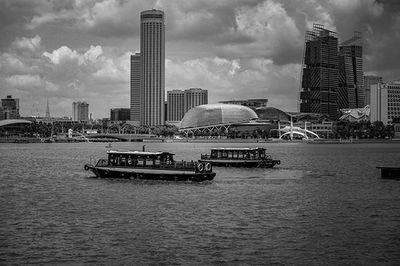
<point>107,137</point>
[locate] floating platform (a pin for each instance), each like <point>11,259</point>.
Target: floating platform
<point>390,172</point>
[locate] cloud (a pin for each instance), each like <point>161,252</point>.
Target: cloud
<point>107,18</point>
<point>78,49</point>
<point>65,74</point>
<point>240,79</point>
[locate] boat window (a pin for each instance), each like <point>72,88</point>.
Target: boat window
<point>140,161</point>
<point>129,161</point>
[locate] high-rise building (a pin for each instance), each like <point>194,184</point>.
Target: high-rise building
<point>175,105</point>
<point>320,72</point>
<point>385,102</point>
<point>120,114</point>
<point>351,93</point>
<point>135,88</point>
<point>9,108</point>
<point>152,53</point>
<point>368,81</point>
<point>80,111</point>
<point>194,97</point>
<point>179,102</point>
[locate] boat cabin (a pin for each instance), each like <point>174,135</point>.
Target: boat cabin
<point>237,153</point>
<point>139,159</point>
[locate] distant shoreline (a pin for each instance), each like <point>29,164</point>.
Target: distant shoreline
<point>320,141</point>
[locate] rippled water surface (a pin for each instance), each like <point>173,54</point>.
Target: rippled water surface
<point>325,204</point>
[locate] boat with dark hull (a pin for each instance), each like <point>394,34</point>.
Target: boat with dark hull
<point>240,157</point>
<point>150,165</point>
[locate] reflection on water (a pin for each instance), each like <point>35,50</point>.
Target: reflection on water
<point>323,204</point>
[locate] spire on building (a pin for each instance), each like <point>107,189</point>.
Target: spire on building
<point>47,116</point>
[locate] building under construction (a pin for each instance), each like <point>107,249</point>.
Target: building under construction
<point>351,92</point>
<point>320,72</point>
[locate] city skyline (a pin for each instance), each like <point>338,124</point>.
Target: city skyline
<point>68,51</point>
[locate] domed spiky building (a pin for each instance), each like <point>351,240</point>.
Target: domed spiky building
<point>216,115</point>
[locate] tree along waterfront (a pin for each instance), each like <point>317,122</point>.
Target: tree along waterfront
<point>341,129</point>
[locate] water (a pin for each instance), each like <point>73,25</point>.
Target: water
<point>325,204</point>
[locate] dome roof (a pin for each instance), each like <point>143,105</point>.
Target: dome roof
<point>215,114</point>
<point>272,113</point>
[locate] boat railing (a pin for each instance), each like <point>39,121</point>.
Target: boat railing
<point>102,162</point>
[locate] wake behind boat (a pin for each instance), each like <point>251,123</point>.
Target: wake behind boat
<point>239,157</point>
<point>150,165</point>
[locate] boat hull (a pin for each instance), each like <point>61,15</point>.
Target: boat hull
<point>390,172</point>
<point>150,174</point>
<point>242,163</point>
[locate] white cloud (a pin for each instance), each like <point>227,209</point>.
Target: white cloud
<point>27,45</point>
<point>240,79</point>
<point>92,74</point>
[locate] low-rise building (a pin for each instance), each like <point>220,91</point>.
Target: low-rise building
<point>385,102</point>
<point>120,114</point>
<point>9,108</point>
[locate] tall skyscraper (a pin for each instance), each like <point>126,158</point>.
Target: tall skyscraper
<point>351,93</point>
<point>152,52</point>
<point>80,111</point>
<point>320,72</point>
<point>135,88</point>
<point>368,81</point>
<point>194,97</point>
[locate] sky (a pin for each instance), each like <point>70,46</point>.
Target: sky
<point>63,51</point>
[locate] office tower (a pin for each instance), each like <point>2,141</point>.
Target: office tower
<point>320,72</point>
<point>120,114</point>
<point>351,93</point>
<point>135,89</point>
<point>80,111</point>
<point>152,52</point>
<point>194,97</point>
<point>368,81</point>
<point>385,102</point>
<point>175,105</point>
<point>9,108</point>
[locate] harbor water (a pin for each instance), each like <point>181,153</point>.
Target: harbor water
<point>324,204</point>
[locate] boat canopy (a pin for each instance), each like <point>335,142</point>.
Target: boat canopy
<point>139,153</point>
<point>237,149</point>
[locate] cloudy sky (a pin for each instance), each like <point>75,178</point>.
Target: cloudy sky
<point>72,50</point>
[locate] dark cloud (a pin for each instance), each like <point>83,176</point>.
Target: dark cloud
<point>234,48</point>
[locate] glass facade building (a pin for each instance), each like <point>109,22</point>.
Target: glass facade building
<point>320,72</point>
<point>351,92</point>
